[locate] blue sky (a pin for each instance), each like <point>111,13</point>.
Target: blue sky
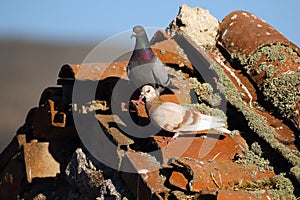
<point>94,20</point>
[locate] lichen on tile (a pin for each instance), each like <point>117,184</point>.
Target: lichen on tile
<point>205,92</point>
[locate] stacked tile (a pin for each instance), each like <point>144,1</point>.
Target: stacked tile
<point>271,60</point>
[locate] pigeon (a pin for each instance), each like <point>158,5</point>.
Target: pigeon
<point>144,67</point>
<point>175,118</point>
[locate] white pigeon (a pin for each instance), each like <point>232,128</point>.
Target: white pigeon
<point>175,118</point>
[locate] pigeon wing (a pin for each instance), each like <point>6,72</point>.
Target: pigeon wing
<point>167,115</point>
<point>176,118</point>
<point>141,74</point>
<point>160,73</point>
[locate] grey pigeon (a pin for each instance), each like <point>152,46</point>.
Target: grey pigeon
<point>144,66</point>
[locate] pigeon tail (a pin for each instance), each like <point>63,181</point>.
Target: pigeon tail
<point>202,125</point>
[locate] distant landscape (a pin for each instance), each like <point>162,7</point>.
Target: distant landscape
<point>27,68</point>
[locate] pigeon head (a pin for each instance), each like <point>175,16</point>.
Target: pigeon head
<point>139,32</point>
<point>148,92</point>
<point>142,41</point>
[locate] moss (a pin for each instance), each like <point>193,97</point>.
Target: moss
<point>178,74</point>
<point>40,197</point>
<point>269,70</point>
<point>252,61</point>
<point>295,172</point>
<point>282,93</point>
<point>181,53</point>
<point>253,158</point>
<point>278,186</point>
<point>162,51</point>
<point>234,133</point>
<point>256,122</point>
<point>282,187</point>
<point>241,58</point>
<point>255,147</point>
<point>204,92</point>
<point>273,53</point>
<point>232,95</point>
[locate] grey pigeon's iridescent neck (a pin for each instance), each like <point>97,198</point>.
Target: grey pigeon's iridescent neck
<point>142,42</point>
<point>142,51</point>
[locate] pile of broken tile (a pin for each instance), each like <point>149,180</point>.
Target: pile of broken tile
<point>240,68</point>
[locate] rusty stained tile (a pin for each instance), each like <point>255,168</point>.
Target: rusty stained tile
<point>170,98</point>
<point>214,175</point>
<point>144,181</point>
<point>244,85</point>
<point>241,82</point>
<point>168,50</point>
<point>283,133</point>
<point>141,112</point>
<point>159,36</point>
<point>210,159</point>
<point>267,57</point>
<point>170,53</point>
<point>93,71</point>
<point>231,195</point>
<point>177,179</point>
<point>39,163</point>
<point>110,123</point>
<point>58,119</point>
<point>202,146</point>
<point>233,38</point>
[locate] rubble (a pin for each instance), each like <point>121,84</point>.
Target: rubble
<point>90,181</point>
<point>197,23</point>
<point>114,154</point>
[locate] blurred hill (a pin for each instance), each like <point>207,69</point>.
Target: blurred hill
<point>27,68</point>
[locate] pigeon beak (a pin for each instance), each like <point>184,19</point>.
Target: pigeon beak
<point>133,35</point>
<point>140,99</point>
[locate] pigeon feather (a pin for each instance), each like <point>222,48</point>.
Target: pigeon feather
<point>144,66</point>
<point>173,117</point>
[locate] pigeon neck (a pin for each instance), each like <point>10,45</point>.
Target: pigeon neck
<point>143,51</point>
<point>142,43</point>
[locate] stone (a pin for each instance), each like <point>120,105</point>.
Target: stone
<point>197,23</point>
